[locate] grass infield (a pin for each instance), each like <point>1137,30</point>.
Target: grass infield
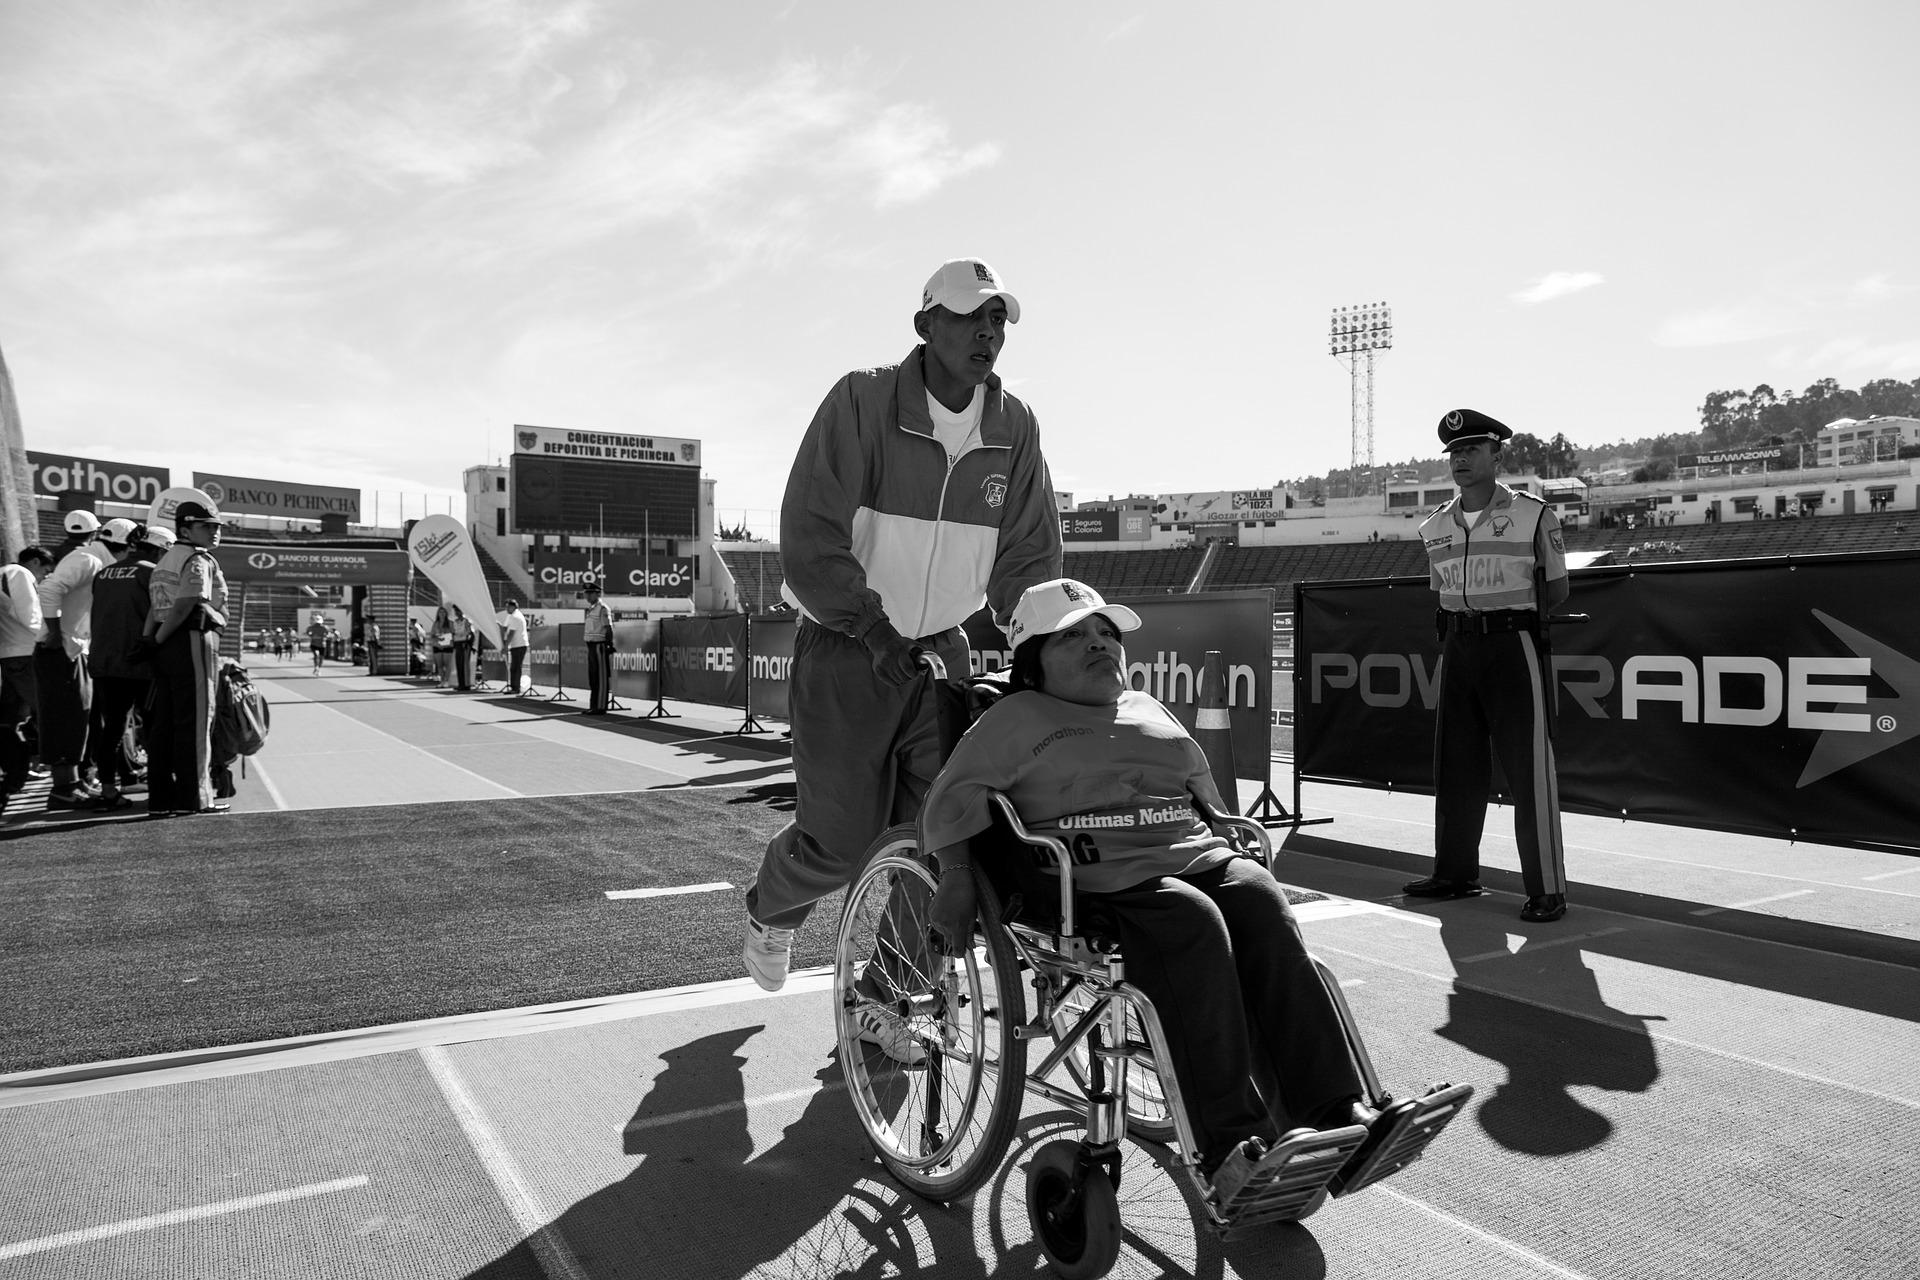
<point>125,939</point>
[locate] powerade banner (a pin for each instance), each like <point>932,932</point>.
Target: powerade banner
<point>705,659</point>
<point>1767,697</point>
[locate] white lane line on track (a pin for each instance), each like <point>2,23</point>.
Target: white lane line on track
<point>1661,1036</point>
<point>255,769</point>
<point>726,1108</point>
<point>1535,944</point>
<point>549,1247</point>
<point>176,1216</point>
<point>1501,1243</point>
<point>667,893</point>
<point>58,1084</point>
<point>1888,875</point>
<point>1751,902</point>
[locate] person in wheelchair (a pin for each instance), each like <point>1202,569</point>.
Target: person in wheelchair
<point>1207,933</point>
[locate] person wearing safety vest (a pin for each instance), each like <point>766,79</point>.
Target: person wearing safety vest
<point>1495,681</point>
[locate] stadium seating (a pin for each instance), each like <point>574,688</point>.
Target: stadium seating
<point>757,575</point>
<point>1748,539</point>
<point>1161,571</point>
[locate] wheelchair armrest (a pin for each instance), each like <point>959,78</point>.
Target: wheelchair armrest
<point>1056,852</point>
<point>1246,830</point>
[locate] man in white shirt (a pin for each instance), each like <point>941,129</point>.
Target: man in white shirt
<point>60,664</point>
<point>513,633</point>
<point>20,630</point>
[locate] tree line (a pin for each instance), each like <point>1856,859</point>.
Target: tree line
<point>1728,420</point>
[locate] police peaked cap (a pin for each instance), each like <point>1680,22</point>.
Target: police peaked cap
<point>1468,426</point>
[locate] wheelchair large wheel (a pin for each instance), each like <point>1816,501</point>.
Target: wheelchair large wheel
<point>1148,1115</point>
<point>941,1123</point>
<point>1074,1210</point>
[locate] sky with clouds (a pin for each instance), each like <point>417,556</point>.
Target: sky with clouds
<point>354,243</point>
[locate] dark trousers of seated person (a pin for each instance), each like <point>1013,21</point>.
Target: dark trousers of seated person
<point>1220,955</point>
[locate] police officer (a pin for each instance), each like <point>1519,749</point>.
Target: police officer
<point>188,595</point>
<point>1495,683</point>
<point>597,631</point>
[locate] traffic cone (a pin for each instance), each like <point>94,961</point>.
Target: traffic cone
<point>1213,730</point>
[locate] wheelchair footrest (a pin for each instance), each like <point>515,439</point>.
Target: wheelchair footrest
<point>1400,1135</point>
<point>1291,1180</point>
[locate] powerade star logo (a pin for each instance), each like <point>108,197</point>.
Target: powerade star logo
<point>1838,749</point>
<point>261,560</point>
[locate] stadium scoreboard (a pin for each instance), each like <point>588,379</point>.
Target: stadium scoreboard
<point>594,482</point>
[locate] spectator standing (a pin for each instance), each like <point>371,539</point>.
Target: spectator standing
<point>462,647</point>
<point>60,664</point>
<point>120,658</point>
<point>317,641</point>
<point>443,646</point>
<point>1495,677</point>
<point>20,629</point>
<point>370,633</point>
<point>188,610</point>
<point>597,631</point>
<point>513,633</point>
<point>918,492</point>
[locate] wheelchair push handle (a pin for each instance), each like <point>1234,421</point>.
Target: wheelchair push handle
<point>932,662</point>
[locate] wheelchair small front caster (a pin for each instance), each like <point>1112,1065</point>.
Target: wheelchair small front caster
<point>1074,1211</point>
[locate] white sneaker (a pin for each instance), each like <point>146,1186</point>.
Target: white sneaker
<point>766,954</point>
<point>889,1032</point>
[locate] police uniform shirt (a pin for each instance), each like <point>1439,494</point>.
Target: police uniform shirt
<point>1483,561</point>
<point>186,572</point>
<point>599,624</point>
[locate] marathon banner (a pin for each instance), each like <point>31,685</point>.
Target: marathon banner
<point>770,663</point>
<point>1760,697</point>
<point>557,658</point>
<point>294,565</point>
<point>705,659</point>
<point>59,474</point>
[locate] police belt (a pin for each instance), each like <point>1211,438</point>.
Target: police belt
<point>1459,622</point>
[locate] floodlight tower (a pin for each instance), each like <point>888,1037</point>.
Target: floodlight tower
<point>1360,331</point>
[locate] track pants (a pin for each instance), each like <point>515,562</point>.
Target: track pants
<point>186,674</point>
<point>864,753</point>
<point>114,698</point>
<point>599,674</point>
<point>1220,955</point>
<point>66,702</point>
<point>19,695</point>
<point>1493,689</point>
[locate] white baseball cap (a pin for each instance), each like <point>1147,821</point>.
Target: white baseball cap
<point>962,284</point>
<point>1047,607</point>
<point>82,522</point>
<point>117,530</point>
<point>158,538</point>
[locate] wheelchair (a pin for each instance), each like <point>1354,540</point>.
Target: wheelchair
<point>941,1120</point>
